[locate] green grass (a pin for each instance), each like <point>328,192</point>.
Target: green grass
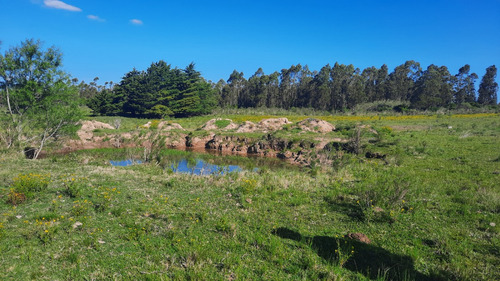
<point>438,190</point>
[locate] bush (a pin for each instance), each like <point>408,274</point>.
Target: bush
<point>15,198</point>
<point>30,183</point>
<point>74,187</point>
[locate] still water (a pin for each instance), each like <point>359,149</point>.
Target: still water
<point>188,166</point>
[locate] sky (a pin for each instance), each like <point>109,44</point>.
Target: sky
<point>108,38</point>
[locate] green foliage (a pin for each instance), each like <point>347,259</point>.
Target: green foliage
<point>488,88</point>
<point>15,198</point>
<point>29,184</point>
<point>41,101</point>
<point>158,92</point>
<point>160,111</point>
<point>221,124</point>
<point>74,187</point>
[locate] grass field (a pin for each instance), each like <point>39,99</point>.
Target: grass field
<point>431,211</point>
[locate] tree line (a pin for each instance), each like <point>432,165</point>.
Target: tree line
<point>340,87</point>
<point>163,91</point>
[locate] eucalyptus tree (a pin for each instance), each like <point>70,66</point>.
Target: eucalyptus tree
<point>289,83</point>
<point>370,76</point>
<point>381,83</point>
<point>304,88</point>
<point>464,89</point>
<point>488,88</point>
<point>433,88</point>
<point>272,89</point>
<point>235,86</point>
<point>342,85</point>
<point>402,79</point>
<point>254,94</point>
<point>321,89</point>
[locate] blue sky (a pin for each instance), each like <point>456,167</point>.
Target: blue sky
<point>107,38</point>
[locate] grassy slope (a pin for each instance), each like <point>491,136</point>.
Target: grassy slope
<point>439,194</point>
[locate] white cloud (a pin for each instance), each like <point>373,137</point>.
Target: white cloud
<point>56,4</point>
<point>96,18</point>
<point>136,22</point>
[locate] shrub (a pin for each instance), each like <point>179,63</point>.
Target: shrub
<point>28,184</point>
<point>81,208</point>
<point>15,198</point>
<point>74,187</point>
<point>154,124</point>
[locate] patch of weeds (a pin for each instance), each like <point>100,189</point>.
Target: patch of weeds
<point>343,252</point>
<point>421,148</point>
<point>154,124</point>
<point>225,227</point>
<point>29,184</point>
<point>15,198</point>
<point>117,211</point>
<point>46,229</point>
<point>2,231</point>
<point>223,123</point>
<point>135,233</point>
<point>74,187</point>
<point>103,197</point>
<point>81,208</point>
<point>247,186</point>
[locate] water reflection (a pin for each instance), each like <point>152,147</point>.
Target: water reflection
<point>125,163</point>
<point>197,163</point>
<point>201,167</point>
<point>193,166</point>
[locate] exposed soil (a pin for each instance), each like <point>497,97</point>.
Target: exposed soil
<point>297,152</point>
<point>167,126</point>
<point>86,132</point>
<point>273,124</point>
<point>316,125</point>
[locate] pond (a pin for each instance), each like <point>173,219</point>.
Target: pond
<point>188,166</point>
<point>124,163</point>
<point>201,163</point>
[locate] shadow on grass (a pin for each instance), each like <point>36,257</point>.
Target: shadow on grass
<point>371,261</point>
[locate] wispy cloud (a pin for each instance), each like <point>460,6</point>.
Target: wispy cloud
<point>136,22</point>
<point>56,4</point>
<point>95,18</point>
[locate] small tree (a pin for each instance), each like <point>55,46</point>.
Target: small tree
<point>488,87</point>
<point>40,98</point>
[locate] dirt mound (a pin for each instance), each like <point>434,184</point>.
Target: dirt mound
<point>316,125</point>
<point>359,237</point>
<point>88,127</point>
<point>247,127</point>
<point>219,124</point>
<point>273,124</point>
<point>167,126</point>
<point>147,125</point>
